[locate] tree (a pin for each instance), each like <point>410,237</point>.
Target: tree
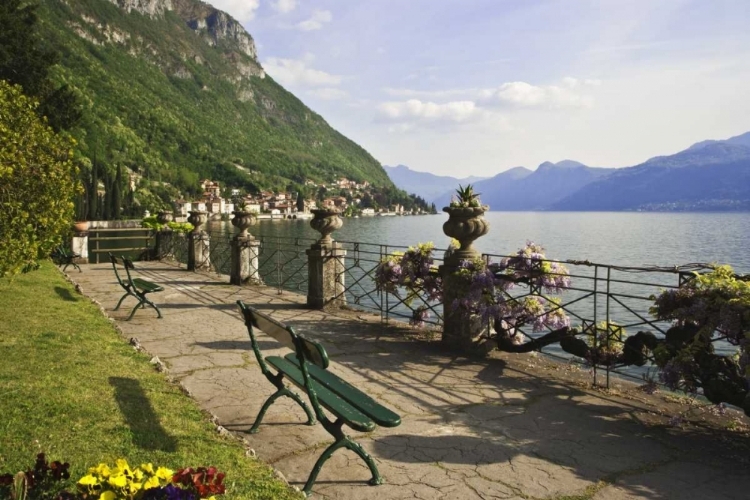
<point>300,202</point>
<point>38,181</point>
<point>25,61</point>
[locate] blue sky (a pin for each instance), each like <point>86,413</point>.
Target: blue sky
<point>474,87</point>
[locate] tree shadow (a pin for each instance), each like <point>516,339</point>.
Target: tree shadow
<point>146,430</point>
<point>65,294</point>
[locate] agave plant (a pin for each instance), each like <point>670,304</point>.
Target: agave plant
<point>465,197</point>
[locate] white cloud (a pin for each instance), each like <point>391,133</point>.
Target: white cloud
<point>242,10</point>
<point>570,93</point>
<point>284,6</point>
<point>298,72</point>
<point>524,94</point>
<point>329,94</point>
<point>456,111</point>
<point>316,21</point>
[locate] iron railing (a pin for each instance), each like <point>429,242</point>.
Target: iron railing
<point>608,303</point>
<point>133,242</point>
<point>602,298</point>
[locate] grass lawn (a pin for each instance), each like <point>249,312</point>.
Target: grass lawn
<point>72,387</point>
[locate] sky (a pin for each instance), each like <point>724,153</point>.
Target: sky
<point>475,87</point>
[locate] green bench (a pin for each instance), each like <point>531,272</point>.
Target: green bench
<point>134,287</point>
<point>306,368</point>
<point>61,256</point>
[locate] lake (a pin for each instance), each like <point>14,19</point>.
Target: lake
<point>620,238</point>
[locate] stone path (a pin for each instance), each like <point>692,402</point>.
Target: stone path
<point>505,427</point>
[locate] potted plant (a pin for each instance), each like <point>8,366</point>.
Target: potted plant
<point>465,222</point>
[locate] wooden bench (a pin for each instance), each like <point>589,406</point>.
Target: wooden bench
<point>61,256</point>
<point>134,287</point>
<point>306,368</point>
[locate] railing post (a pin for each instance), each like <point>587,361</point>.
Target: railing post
<point>80,244</point>
<point>198,243</point>
<point>244,268</point>
<point>325,263</point>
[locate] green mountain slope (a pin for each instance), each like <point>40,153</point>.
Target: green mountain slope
<point>173,90</point>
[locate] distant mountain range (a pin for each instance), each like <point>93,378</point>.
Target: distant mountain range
<point>709,175</point>
<point>426,185</point>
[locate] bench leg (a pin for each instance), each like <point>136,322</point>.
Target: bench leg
<point>273,397</point>
<point>144,299</point>
<point>121,299</point>
<point>138,306</point>
<point>343,442</point>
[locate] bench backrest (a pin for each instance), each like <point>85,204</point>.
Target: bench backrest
<point>312,351</point>
<point>127,264</point>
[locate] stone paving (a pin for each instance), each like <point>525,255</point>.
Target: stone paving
<point>504,426</point>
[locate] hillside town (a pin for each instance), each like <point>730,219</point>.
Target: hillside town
<point>351,198</point>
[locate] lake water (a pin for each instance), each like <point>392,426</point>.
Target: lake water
<point>620,238</point>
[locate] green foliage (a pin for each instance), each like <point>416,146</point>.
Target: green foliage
<point>182,118</point>
<point>37,184</point>
<point>466,197</point>
<point>26,60</point>
<point>178,227</point>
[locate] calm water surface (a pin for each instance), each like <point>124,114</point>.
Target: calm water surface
<point>638,238</point>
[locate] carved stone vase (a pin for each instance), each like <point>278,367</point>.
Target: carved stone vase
<point>164,217</point>
<point>326,221</point>
<point>197,218</point>
<point>243,220</point>
<point>466,224</point>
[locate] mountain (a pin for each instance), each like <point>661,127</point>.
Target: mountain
<point>523,189</point>
<point>710,175</point>
<point>173,90</point>
<point>424,184</point>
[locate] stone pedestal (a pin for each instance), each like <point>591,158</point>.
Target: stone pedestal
<point>325,265</point>
<point>461,331</point>
<point>164,244</point>
<point>80,245</point>
<point>198,251</point>
<point>245,250</point>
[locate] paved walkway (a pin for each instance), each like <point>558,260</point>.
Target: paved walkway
<point>506,427</point>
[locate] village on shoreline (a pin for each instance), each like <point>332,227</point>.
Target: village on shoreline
<point>352,199</point>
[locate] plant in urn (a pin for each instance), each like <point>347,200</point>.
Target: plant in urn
<point>164,217</point>
<point>243,219</point>
<point>465,222</point>
<point>326,221</point>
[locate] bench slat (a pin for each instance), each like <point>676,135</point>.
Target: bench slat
<point>329,399</point>
<point>377,412</point>
<point>147,285</point>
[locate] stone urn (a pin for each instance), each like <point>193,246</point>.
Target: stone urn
<point>80,226</point>
<point>326,221</point>
<point>465,224</point>
<point>164,217</point>
<point>243,220</point>
<point>197,218</point>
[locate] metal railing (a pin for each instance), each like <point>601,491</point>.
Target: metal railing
<point>608,303</point>
<point>135,242</point>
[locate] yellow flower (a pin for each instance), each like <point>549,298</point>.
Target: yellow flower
<point>118,481</point>
<point>152,482</point>
<point>108,495</point>
<point>88,480</point>
<point>164,473</point>
<point>102,470</point>
<point>149,467</point>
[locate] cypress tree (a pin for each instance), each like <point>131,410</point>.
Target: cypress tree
<point>117,194</point>
<point>93,191</point>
